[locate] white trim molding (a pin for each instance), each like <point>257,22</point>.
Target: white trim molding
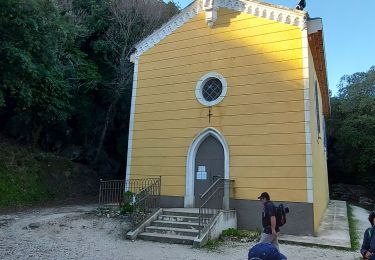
<point>210,8</point>
<point>168,28</point>
<point>190,163</point>
<point>135,60</point>
<point>252,7</point>
<point>309,159</point>
<point>200,84</point>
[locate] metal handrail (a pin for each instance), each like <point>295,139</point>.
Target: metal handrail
<point>211,187</point>
<point>146,202</point>
<point>212,195</point>
<point>206,211</point>
<point>111,193</point>
<point>144,196</point>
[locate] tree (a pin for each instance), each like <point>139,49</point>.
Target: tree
<point>65,72</point>
<point>40,63</point>
<point>131,20</point>
<point>351,129</point>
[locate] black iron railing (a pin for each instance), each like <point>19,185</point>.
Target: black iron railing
<point>146,201</point>
<point>215,198</point>
<point>138,197</point>
<point>111,193</point>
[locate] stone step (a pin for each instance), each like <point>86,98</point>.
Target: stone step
<point>175,224</point>
<point>172,231</point>
<point>185,213</point>
<point>178,218</point>
<point>180,213</point>
<point>167,238</point>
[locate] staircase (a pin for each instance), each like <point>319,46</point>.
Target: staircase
<point>178,226</point>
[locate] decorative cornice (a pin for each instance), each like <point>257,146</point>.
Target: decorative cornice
<point>172,25</point>
<point>210,8</point>
<point>268,11</point>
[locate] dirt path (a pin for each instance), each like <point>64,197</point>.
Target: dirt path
<point>78,233</point>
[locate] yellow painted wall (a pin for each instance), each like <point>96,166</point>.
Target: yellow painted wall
<point>320,173</point>
<point>261,117</point>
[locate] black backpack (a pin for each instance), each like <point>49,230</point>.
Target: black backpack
<point>281,212</point>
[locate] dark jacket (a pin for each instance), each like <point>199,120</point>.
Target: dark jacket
<point>368,243</point>
<point>269,210</point>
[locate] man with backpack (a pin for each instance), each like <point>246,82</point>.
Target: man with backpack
<point>368,245</point>
<point>270,228</point>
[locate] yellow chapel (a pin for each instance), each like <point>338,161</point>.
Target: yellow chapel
<point>234,89</point>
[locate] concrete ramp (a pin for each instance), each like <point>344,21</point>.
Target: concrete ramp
<point>333,232</point>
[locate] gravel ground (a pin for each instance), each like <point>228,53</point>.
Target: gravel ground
<point>78,233</point>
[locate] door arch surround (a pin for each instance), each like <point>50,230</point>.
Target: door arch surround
<point>190,163</point>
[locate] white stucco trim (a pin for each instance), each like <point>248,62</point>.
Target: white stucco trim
<point>168,28</point>
<point>306,76</point>
<point>135,60</point>
<point>210,8</point>
<point>190,163</point>
<point>200,84</point>
<point>315,25</point>
<point>252,7</point>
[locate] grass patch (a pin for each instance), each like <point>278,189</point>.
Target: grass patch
<point>232,234</point>
<point>212,245</point>
<point>30,177</point>
<point>236,234</point>
<point>21,180</point>
<point>353,229</point>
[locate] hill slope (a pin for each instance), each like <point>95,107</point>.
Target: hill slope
<point>30,177</point>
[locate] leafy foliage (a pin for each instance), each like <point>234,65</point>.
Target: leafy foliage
<point>66,75</point>
<point>40,63</point>
<point>351,130</point>
<point>128,203</point>
<point>66,82</point>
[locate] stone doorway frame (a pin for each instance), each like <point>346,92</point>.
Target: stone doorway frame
<point>190,162</point>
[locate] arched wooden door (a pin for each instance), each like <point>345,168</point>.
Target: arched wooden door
<point>209,165</point>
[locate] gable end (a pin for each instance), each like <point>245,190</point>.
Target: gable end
<point>251,7</point>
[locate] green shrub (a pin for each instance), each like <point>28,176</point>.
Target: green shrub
<point>128,206</point>
<point>232,232</point>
